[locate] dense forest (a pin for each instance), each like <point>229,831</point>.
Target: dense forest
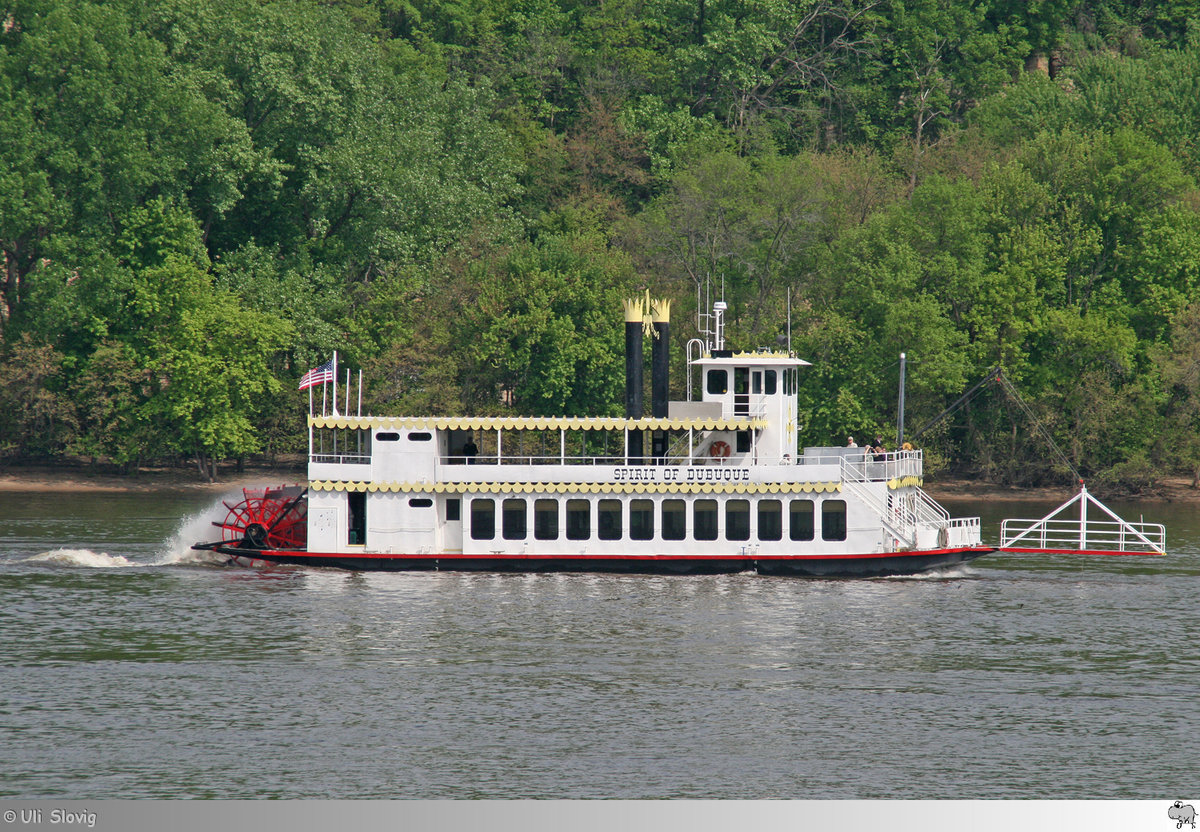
<point>202,199</point>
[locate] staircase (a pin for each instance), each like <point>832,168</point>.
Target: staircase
<point>901,515</point>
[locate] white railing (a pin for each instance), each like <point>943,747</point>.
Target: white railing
<point>1094,535</point>
<point>671,458</point>
<point>929,510</point>
<point>540,459</point>
<point>903,512</point>
<point>870,467</point>
<point>341,459</point>
<point>1081,533</point>
<point>873,468</point>
<point>899,520</point>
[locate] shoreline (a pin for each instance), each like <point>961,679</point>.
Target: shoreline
<point>70,479</point>
<point>953,489</point>
<point>52,479</point>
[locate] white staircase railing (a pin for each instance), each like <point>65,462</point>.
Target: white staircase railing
<point>1082,533</point>
<point>899,520</point>
<point>929,510</point>
<point>902,513</point>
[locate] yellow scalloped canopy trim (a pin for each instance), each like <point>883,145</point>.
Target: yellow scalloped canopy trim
<point>905,482</point>
<point>579,487</point>
<point>527,423</point>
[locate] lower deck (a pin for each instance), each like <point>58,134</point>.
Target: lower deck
<point>722,524</point>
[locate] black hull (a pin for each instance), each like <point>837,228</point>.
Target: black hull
<point>847,566</point>
<point>871,566</point>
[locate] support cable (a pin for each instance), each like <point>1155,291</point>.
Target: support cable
<point>1012,391</point>
<point>997,374</point>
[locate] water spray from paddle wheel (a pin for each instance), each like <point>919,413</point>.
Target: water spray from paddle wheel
<point>268,518</point>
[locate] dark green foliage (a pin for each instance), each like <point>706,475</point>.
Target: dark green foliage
<point>201,200</point>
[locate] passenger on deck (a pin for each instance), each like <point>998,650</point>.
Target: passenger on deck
<point>850,443</point>
<point>877,447</point>
<point>470,451</point>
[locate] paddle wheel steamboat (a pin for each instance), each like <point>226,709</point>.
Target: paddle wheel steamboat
<point>711,485</point>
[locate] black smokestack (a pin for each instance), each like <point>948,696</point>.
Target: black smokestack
<point>633,358</point>
<point>660,358</point>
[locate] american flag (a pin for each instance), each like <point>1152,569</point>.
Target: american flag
<point>317,375</point>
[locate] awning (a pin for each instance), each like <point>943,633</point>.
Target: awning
<point>578,487</point>
<point>527,423</point>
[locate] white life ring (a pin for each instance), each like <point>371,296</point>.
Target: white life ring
<point>719,450</point>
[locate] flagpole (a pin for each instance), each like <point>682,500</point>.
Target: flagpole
<point>335,413</point>
<point>360,391</point>
<point>347,391</point>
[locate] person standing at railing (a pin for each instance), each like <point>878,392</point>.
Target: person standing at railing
<point>879,450</point>
<point>470,451</point>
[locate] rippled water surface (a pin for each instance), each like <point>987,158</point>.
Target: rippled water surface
<point>131,668</point>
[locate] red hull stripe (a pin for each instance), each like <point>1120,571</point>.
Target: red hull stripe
<point>252,553</point>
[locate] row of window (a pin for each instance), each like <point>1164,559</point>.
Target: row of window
<point>639,519</point>
<point>758,382</point>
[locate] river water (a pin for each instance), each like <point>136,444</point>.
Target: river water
<point>132,668</point>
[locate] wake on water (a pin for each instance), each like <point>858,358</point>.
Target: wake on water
<point>81,557</point>
<point>175,551</point>
<point>196,528</point>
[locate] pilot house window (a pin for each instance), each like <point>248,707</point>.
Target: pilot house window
<point>718,382</point>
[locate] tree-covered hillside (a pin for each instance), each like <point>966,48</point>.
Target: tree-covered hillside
<point>201,200</point>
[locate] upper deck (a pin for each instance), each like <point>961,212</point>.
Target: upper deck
<point>416,453</point>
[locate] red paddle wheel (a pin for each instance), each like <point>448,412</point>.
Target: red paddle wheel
<point>268,518</point>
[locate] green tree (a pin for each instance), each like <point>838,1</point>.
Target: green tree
<point>159,360</point>
<point>95,120</point>
<point>534,329</point>
<point>36,419</point>
<point>1179,441</point>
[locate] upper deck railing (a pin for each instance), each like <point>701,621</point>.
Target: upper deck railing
<point>871,467</point>
<point>341,459</point>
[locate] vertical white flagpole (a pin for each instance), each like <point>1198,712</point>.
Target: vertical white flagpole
<point>335,413</point>
<point>360,391</point>
<point>323,385</point>
<point>347,410</point>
